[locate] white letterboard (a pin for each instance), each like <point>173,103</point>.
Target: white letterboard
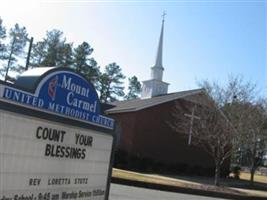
<point>43,160</point>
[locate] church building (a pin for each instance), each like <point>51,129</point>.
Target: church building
<point>146,140</point>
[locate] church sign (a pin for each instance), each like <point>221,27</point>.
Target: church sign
<point>63,93</point>
<point>54,143</point>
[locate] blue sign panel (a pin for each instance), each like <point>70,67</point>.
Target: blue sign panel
<point>65,93</point>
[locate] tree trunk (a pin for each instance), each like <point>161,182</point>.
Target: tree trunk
<point>252,172</point>
<point>217,174</point>
<point>253,162</point>
<point>9,58</point>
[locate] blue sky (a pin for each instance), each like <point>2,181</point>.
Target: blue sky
<point>202,39</point>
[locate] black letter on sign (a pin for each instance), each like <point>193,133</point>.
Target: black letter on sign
<point>47,150</point>
<point>37,131</point>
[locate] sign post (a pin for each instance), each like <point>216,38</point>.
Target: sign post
<point>54,143</point>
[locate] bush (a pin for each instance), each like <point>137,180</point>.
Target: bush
<point>124,160</point>
<point>236,171</point>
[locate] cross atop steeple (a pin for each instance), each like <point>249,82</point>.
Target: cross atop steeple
<point>163,16</point>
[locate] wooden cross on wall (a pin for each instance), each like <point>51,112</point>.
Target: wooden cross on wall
<point>192,116</point>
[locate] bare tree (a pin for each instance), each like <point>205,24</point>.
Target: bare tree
<point>252,124</point>
<point>210,130</point>
<point>243,106</point>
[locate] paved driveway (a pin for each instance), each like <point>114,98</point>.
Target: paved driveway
<point>122,192</point>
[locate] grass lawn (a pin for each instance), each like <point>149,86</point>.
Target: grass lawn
<point>230,186</point>
<point>257,178</point>
<point>128,175</point>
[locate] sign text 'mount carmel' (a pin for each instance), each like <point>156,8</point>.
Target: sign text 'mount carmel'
<point>62,92</point>
<point>54,142</point>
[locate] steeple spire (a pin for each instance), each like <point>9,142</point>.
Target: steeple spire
<point>157,69</point>
<point>160,46</point>
<point>155,86</point>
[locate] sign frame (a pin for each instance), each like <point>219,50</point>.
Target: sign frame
<point>25,110</point>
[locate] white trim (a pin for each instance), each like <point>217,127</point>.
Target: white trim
<point>156,81</point>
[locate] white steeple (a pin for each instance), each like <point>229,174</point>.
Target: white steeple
<point>155,86</point>
<point>157,69</point>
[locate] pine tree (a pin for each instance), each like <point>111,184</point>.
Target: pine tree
<point>2,37</point>
<point>67,56</point>
<point>54,48</point>
<point>85,65</point>
<point>104,84</point>
<point>15,48</point>
<point>134,88</point>
<point>38,54</point>
<point>111,83</point>
<point>52,51</point>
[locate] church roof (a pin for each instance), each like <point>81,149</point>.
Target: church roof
<point>139,104</point>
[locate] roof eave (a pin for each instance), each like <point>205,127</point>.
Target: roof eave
<point>151,105</point>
